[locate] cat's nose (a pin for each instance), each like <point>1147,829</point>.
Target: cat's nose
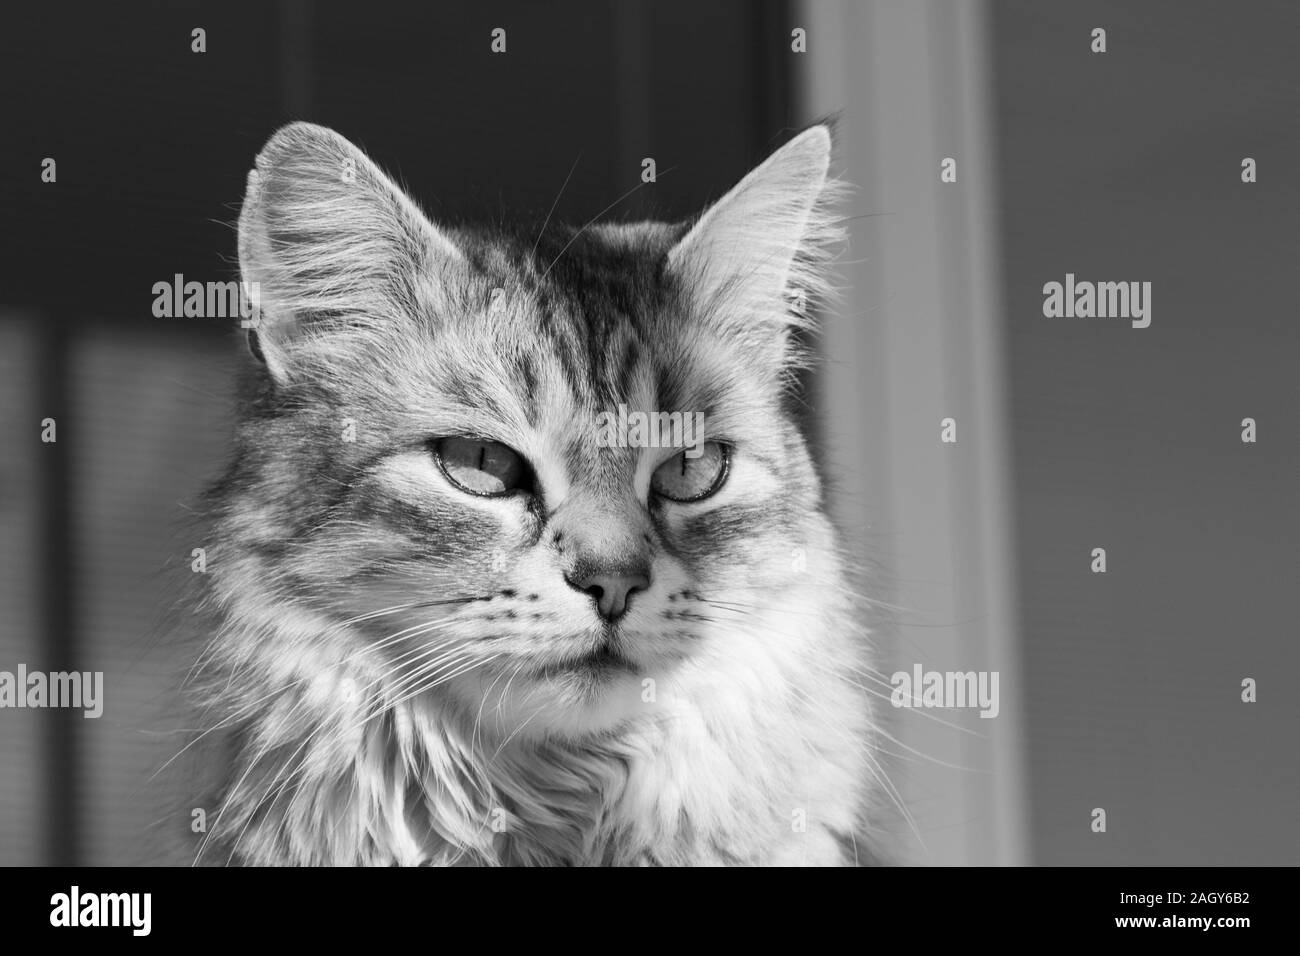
<point>611,589</point>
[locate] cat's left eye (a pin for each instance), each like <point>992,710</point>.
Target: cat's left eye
<point>682,478</point>
<point>480,466</point>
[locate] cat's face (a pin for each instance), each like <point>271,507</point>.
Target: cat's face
<point>454,450</point>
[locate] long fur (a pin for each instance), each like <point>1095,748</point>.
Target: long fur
<point>387,671</point>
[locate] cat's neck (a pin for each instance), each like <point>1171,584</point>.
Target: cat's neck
<point>747,778</point>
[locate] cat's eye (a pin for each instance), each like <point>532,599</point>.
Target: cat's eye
<point>682,478</point>
<point>480,466</point>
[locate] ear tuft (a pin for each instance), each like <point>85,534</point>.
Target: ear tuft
<point>758,259</point>
<point>327,242</point>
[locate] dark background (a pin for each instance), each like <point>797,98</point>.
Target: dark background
<point>152,143</point>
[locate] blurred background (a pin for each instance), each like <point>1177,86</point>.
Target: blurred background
<point>1119,690</point>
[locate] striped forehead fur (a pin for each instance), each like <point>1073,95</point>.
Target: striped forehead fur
<point>344,751</point>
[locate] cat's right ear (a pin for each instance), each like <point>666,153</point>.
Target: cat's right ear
<point>328,248</point>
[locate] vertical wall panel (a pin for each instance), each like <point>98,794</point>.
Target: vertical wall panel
<point>153,421</point>
<point>915,342</point>
<point>22,732</point>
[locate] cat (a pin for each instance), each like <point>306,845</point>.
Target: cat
<point>455,629</point>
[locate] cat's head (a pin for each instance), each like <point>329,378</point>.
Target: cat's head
<point>452,453</point>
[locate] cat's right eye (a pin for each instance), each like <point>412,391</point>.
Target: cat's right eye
<point>480,466</point>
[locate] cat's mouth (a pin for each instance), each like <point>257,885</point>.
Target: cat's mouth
<point>602,663</point>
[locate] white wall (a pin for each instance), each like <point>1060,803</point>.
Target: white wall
<point>918,339</point>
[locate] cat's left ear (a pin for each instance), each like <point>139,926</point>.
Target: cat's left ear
<point>758,257</point>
